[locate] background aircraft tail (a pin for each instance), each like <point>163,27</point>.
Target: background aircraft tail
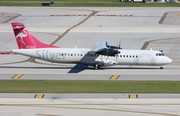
<point>25,40</point>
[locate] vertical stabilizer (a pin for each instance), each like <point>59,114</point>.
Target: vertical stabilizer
<point>25,40</point>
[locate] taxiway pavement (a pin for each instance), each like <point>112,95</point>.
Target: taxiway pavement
<point>83,27</point>
<point>134,27</point>
<point>89,107</point>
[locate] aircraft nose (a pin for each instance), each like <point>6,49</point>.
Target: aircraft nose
<point>169,60</point>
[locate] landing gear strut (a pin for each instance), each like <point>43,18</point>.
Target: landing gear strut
<point>97,67</point>
<point>161,67</point>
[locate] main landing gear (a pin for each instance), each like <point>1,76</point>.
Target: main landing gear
<point>161,67</point>
<point>97,66</point>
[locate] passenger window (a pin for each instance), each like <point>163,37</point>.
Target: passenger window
<point>123,55</point>
<point>130,56</point>
<point>127,56</point>
<point>137,56</point>
<point>120,55</point>
<point>157,54</point>
<point>71,54</point>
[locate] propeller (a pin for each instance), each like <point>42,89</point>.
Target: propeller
<point>118,47</point>
<point>111,50</point>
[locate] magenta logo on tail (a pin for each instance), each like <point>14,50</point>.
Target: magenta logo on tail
<point>20,39</point>
<point>25,40</point>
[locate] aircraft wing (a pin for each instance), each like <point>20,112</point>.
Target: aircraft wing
<point>99,47</point>
<point>102,48</point>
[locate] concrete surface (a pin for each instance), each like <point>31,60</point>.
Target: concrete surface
<point>89,107</point>
<point>133,31</point>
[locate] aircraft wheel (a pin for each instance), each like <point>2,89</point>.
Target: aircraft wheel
<point>161,67</point>
<point>97,67</point>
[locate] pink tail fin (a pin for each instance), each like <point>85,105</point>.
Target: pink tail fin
<point>25,40</point>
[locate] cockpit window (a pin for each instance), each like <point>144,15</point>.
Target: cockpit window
<point>159,54</point>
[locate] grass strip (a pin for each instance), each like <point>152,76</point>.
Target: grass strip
<point>88,86</point>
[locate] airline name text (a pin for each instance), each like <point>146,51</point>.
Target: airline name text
<point>46,54</point>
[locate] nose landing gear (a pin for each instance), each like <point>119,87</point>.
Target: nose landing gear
<point>97,66</point>
<point>161,67</point>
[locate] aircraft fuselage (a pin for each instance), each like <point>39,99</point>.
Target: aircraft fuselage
<point>84,56</point>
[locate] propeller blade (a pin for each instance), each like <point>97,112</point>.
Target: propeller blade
<point>120,44</point>
<point>118,47</point>
<point>107,52</point>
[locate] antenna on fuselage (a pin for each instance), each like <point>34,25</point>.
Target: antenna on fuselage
<point>161,50</point>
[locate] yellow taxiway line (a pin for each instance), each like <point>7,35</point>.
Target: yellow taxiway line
<point>114,77</point>
<point>133,96</point>
<point>17,76</point>
<point>39,95</point>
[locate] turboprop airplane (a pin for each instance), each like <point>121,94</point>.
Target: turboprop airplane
<point>98,56</point>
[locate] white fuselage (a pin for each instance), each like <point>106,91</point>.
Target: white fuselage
<point>84,56</point>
